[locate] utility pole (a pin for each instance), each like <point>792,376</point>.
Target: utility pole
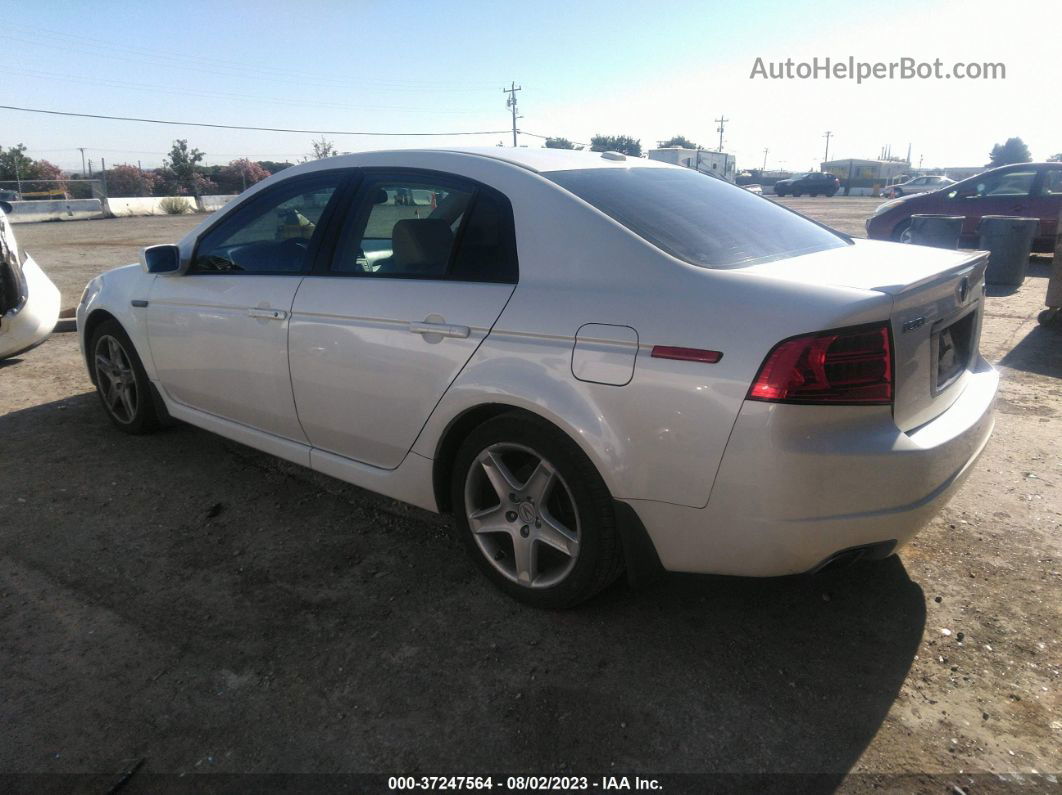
<point>722,120</point>
<point>826,158</point>
<point>82,150</point>
<point>765,150</point>
<point>510,103</point>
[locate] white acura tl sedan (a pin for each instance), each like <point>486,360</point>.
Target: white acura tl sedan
<point>596,363</point>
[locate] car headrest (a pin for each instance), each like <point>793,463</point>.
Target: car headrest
<point>421,244</point>
<point>379,196</point>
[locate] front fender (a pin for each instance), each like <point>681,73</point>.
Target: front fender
<point>113,293</point>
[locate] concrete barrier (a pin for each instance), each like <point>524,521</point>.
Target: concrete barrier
<point>143,205</point>
<point>66,210</point>
<point>209,204</point>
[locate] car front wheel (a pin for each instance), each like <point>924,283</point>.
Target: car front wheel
<point>534,513</point>
<point>121,381</point>
<point>902,233</point>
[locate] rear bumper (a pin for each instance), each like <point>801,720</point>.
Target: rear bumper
<point>29,324</point>
<point>798,484</point>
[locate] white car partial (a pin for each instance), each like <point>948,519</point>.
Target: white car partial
<point>595,363</point>
<point>29,302</point>
<point>916,185</point>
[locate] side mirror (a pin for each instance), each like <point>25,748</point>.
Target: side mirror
<point>161,259</point>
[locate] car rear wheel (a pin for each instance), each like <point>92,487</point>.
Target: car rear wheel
<point>121,382</point>
<point>534,513</point>
<point>796,193</point>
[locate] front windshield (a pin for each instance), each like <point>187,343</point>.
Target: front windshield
<point>704,221</point>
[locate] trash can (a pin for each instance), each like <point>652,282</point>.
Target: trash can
<point>1008,240</point>
<point>939,231</point>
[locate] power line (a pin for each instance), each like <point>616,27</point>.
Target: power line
<point>547,137</point>
<point>152,57</point>
<point>244,127</point>
<point>240,97</point>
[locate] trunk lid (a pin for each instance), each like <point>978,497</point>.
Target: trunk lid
<point>938,304</point>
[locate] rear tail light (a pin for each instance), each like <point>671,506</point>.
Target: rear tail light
<point>852,365</point>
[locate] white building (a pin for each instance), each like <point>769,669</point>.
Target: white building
<point>719,164</point>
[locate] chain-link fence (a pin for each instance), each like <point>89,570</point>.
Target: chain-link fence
<point>52,189</point>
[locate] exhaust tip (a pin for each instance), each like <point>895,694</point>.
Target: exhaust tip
<point>846,557</point>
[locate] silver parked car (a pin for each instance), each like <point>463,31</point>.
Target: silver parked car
<point>916,185</point>
<point>595,363</point>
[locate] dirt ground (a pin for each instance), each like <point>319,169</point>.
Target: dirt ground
<point>186,601</point>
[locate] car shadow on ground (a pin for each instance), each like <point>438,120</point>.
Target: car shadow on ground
<point>192,602</point>
<point>1039,352</point>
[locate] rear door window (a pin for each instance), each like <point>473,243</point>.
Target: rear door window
<point>699,219</point>
<point>428,227</point>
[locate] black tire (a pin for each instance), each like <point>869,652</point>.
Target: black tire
<point>598,561</point>
<point>796,194</point>
<point>813,195</point>
<point>779,191</point>
<point>137,414</point>
<point>899,229</point>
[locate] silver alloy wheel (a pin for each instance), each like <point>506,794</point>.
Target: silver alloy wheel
<point>116,379</point>
<point>905,235</point>
<point>522,515</point>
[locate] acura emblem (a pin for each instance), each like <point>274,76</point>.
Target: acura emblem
<point>964,289</point>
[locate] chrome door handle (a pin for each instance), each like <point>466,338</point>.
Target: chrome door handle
<point>441,329</point>
<point>268,314</point>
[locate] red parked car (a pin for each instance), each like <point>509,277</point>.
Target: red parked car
<point>1032,190</point>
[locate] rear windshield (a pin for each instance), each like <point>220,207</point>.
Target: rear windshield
<point>697,218</point>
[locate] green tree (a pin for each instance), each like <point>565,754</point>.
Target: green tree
<point>181,172</point>
<point>616,143</point>
<point>1013,150</point>
<point>322,149</point>
<point>272,166</point>
<point>14,164</point>
<point>680,140</point>
<point>1055,158</point>
<point>560,143</point>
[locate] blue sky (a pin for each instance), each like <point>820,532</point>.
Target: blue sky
<point>642,69</point>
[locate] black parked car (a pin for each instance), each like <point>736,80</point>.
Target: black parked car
<point>813,183</point>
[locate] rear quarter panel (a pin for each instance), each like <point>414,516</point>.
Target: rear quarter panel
<point>662,435</point>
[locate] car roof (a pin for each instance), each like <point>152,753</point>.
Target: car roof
<point>537,160</point>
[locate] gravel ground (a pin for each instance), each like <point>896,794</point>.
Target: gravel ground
<point>189,602</point>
